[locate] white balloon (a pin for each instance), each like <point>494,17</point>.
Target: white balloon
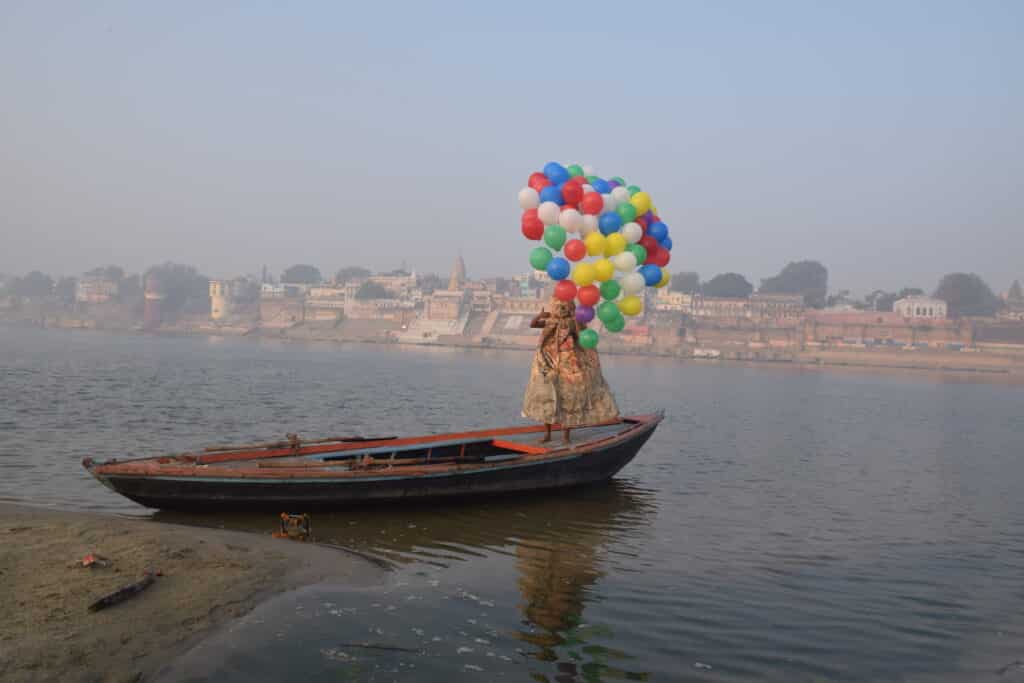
<point>548,212</point>
<point>632,232</point>
<point>633,283</point>
<point>609,203</point>
<point>588,169</point>
<point>589,225</point>
<point>626,261</point>
<point>571,220</point>
<point>621,194</point>
<point>528,198</point>
<point>587,188</point>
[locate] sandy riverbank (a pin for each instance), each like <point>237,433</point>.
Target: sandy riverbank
<point>209,577</point>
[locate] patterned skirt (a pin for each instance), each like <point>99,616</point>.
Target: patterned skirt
<point>571,391</point>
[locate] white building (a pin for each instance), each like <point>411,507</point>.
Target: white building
<point>920,307</point>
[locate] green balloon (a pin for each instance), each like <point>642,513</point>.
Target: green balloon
<point>607,311</point>
<point>588,339</point>
<point>591,179</point>
<point>626,211</point>
<point>639,251</point>
<point>633,189</point>
<point>575,170</point>
<point>540,258</point>
<point>615,324</point>
<point>554,236</point>
<point>610,291</point>
<point>619,180</point>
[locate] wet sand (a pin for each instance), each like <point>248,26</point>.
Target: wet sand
<point>209,577</point>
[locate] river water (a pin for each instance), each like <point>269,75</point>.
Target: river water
<point>782,524</point>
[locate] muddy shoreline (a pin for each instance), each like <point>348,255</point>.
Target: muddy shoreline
<point>209,577</point>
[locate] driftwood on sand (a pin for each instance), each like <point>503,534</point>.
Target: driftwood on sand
<point>125,592</point>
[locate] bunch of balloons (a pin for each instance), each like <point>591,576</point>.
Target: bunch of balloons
<point>603,242</point>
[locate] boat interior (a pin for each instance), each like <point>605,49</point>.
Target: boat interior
<point>360,454</point>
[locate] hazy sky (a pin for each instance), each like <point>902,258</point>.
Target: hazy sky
<point>885,139</point>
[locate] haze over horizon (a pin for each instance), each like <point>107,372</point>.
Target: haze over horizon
<point>884,140</point>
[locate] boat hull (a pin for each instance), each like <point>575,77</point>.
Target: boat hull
<point>589,466</point>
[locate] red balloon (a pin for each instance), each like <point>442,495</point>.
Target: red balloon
<point>538,181</point>
<point>660,257</point>
<point>642,222</point>
<point>532,225</point>
<point>649,243</point>
<point>591,204</point>
<point>574,250</point>
<point>577,180</point>
<point>565,290</point>
<point>589,295</point>
<point>572,193</point>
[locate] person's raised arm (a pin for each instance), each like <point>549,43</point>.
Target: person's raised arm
<point>539,319</point>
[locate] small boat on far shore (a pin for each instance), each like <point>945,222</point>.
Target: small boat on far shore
<point>339,471</point>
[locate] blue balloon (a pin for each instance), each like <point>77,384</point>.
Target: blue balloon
<point>609,222</point>
<point>651,273</point>
<point>555,172</point>
<point>600,185</point>
<point>558,269</point>
<point>667,243</point>
<point>658,231</point>
<point>552,194</point>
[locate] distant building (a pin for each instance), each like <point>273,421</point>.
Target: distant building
<point>721,307</point>
<point>271,291</point>
<point>920,307</point>
<point>458,278</point>
<point>96,289</point>
<point>444,305</point>
<point>777,306</point>
<point>153,297</point>
<point>220,299</point>
<point>666,300</point>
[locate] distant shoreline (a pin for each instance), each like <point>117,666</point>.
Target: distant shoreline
<point>954,363</point>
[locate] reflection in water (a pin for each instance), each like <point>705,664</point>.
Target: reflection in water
<point>558,544</point>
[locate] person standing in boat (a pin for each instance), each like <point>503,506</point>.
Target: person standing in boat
<point>566,385</point>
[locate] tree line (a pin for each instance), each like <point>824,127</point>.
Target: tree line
<point>965,294</point>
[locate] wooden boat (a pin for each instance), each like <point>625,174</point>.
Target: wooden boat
<point>304,475</point>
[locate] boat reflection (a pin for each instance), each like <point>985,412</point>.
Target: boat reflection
<point>557,547</point>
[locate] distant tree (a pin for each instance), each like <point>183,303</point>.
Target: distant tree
<point>687,282</point>
<point>302,274</point>
<point>246,291</point>
<point>33,284</point>
<point>65,289</point>
<point>967,294</point>
<point>1015,294</point>
<point>807,278</point>
<point>731,285</point>
<point>130,290</point>
<point>349,273</point>
<point>372,290</point>
<point>430,282</point>
<point>114,273</point>
<point>185,289</point>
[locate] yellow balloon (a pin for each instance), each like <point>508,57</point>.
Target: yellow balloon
<point>641,201</point>
<point>630,305</point>
<point>595,243</point>
<point>654,209</point>
<point>583,274</point>
<point>604,270</point>
<point>614,243</point>
<point>665,277</point>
